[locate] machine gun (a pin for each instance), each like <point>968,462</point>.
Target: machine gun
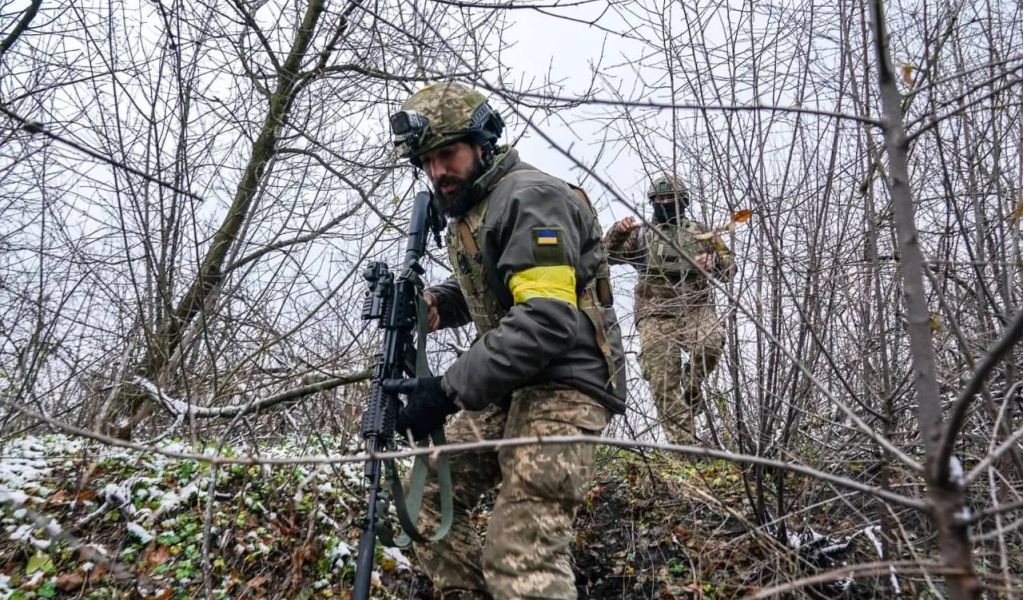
<point>397,304</point>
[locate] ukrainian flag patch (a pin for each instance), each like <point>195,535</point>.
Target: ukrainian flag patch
<point>548,246</point>
<point>546,237</point>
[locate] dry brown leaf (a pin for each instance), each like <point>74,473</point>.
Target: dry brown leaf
<point>742,216</point>
<point>155,555</point>
<point>58,497</point>
<point>163,594</point>
<point>70,582</point>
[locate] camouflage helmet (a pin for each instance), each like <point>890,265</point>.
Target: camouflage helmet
<point>669,185</point>
<point>441,114</point>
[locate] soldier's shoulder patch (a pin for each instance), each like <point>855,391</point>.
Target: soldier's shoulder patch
<point>546,236</point>
<point>548,246</point>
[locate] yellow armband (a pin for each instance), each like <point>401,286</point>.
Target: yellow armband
<point>557,282</point>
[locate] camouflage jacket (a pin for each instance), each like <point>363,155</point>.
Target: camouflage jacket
<point>660,293</point>
<point>522,260</point>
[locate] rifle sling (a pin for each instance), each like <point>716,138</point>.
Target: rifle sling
<point>408,504</point>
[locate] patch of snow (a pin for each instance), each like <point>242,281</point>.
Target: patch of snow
<point>41,490</point>
<point>22,534</point>
<point>956,470</point>
<point>177,407</point>
<point>793,540</point>
<point>870,532</point>
<point>170,499</point>
<point>836,547</point>
<point>339,553</point>
<point>97,549</point>
<point>354,473</point>
<point>140,532</point>
<point>965,514</point>
<point>16,497</point>
<point>34,581</point>
<point>845,583</point>
<point>402,563</point>
<point>796,540</point>
<point>87,566</point>
<point>20,513</point>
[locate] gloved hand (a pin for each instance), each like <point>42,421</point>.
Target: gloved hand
<point>426,405</point>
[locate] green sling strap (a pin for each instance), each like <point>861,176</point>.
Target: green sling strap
<point>408,504</point>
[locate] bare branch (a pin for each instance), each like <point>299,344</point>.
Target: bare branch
<point>1011,336</point>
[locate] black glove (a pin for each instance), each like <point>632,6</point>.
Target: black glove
<point>426,406</point>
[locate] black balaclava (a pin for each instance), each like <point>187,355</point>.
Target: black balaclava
<point>665,212</point>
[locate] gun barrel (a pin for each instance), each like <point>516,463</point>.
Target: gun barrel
<point>368,538</point>
<point>419,227</point>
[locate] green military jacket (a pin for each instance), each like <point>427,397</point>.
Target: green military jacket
<point>523,259</point>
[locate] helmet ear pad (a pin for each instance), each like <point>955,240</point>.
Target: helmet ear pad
<point>485,128</point>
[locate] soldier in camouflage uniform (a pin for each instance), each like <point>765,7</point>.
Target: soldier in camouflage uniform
<point>528,260</point>
<point>674,304</point>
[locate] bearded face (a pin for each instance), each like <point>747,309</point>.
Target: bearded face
<point>453,169</point>
<point>456,195</point>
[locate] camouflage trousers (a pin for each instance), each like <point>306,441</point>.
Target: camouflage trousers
<point>526,551</point>
<point>677,389</point>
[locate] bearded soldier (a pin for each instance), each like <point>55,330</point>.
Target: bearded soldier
<point>528,259</point>
<point>674,303</point>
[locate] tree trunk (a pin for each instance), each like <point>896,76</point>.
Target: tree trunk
<point>946,496</point>
<point>167,338</point>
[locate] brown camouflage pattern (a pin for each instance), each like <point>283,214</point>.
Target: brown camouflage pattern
<point>676,389</point>
<point>525,553</point>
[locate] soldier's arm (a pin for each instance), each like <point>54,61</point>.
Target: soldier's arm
<point>533,247</point>
<point>725,264</point>
<point>451,304</point>
<point>623,244</point>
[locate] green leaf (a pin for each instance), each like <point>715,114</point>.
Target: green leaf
<point>48,589</point>
<point>168,538</point>
<point>39,562</point>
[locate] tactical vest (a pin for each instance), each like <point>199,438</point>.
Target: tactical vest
<point>468,264</point>
<point>664,261</point>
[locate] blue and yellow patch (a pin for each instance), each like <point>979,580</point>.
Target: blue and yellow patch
<point>546,237</point>
<point>548,246</point>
